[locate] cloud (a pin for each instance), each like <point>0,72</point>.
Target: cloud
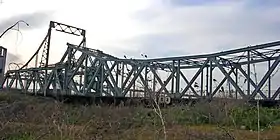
<point>35,20</point>
<point>180,3</point>
<point>205,28</point>
<point>176,29</point>
<point>12,58</point>
<point>155,45</point>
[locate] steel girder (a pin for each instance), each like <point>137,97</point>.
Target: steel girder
<point>89,72</point>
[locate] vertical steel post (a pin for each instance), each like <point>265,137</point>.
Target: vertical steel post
<point>172,80</point>
<point>81,79</point>
<point>122,78</point>
<point>47,57</point>
<point>178,78</point>
<point>236,81</point>
<point>211,79</point>
<point>7,83</point>
<point>154,86</point>
<point>36,82</point>
<point>269,80</point>
<point>229,89</point>
<point>134,84</point>
<point>117,77</point>
<point>85,75</point>
<point>16,83</point>
<point>101,79</point>
<point>67,69</point>
<point>207,80</point>
<point>49,42</point>
<point>201,85</point>
<point>54,83</point>
<point>248,73</point>
<point>146,81</point>
<point>34,79</point>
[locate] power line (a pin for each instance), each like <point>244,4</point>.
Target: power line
<point>11,27</point>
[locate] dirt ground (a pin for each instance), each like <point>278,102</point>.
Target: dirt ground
<point>24,117</point>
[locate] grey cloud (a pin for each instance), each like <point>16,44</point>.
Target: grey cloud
<point>192,2</point>
<point>157,45</point>
<point>205,28</point>
<point>12,58</point>
<point>184,30</point>
<point>35,20</point>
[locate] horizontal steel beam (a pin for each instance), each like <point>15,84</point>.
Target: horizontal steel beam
<point>261,46</point>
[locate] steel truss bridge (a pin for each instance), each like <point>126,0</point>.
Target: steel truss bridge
<point>89,72</point>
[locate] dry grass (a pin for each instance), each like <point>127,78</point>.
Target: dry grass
<point>28,118</point>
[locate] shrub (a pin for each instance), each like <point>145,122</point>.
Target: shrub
<point>248,117</point>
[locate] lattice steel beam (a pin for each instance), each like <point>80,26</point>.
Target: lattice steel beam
<point>97,74</point>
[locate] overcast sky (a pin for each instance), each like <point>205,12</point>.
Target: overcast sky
<point>155,27</point>
<point>158,28</point>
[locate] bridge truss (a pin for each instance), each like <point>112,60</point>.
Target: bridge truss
<point>89,72</point>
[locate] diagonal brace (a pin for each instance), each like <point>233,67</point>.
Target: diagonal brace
<point>250,80</point>
<point>266,76</point>
<point>276,94</point>
<point>187,81</point>
<point>228,77</point>
<point>221,83</point>
<point>194,78</point>
<point>158,78</point>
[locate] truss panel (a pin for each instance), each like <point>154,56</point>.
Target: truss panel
<point>89,72</point>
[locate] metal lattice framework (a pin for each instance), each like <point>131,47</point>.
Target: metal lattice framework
<point>89,72</point>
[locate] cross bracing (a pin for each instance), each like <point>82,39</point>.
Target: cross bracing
<point>90,72</point>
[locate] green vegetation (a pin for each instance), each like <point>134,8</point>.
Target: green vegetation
<point>22,136</point>
<point>29,118</point>
<point>248,117</point>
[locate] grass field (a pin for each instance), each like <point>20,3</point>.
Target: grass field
<point>24,117</point>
